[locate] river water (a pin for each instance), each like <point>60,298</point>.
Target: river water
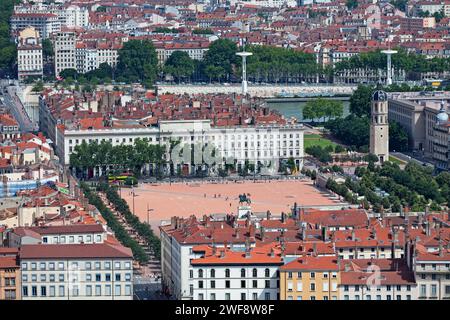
<point>290,108</point>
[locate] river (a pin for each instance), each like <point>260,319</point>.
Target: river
<point>293,107</point>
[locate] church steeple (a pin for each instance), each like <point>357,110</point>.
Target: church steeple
<point>379,126</point>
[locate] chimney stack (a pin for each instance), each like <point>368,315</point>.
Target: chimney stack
<point>283,218</point>
<point>268,214</point>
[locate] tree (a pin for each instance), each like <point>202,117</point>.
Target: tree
<point>47,49</point>
<point>138,62</point>
<point>398,137</point>
<point>202,31</point>
<point>351,4</point>
<point>220,57</point>
<point>400,4</point>
<point>38,87</point>
<point>179,65</point>
<point>69,74</point>
<point>361,100</point>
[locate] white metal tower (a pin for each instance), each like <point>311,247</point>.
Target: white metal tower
<point>244,56</point>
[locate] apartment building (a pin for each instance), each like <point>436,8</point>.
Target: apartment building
<point>44,23</point>
<point>178,240</point>
<point>196,50</point>
<point>369,243</point>
<point>432,273</point>
<point>10,287</point>
<point>376,279</point>
<point>76,272</point>
<point>65,234</point>
<point>227,274</point>
<point>91,54</point>
<point>310,278</point>
<point>29,54</point>
<point>65,51</point>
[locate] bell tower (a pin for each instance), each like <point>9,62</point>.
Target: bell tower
<point>379,126</point>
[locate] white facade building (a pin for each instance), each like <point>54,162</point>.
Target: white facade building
<point>64,46</point>
<point>76,272</point>
<point>252,143</point>
<point>29,54</point>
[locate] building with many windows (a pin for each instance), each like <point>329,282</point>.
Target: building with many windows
<point>257,144</point>
<point>10,287</point>
<point>29,54</point>
<point>376,279</point>
<point>310,278</point>
<point>432,273</point>
<point>45,23</point>
<point>76,272</point>
<point>239,274</point>
<point>64,48</point>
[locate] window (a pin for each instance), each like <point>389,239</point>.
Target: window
<point>267,272</point>
<point>61,265</point>
<point>299,275</point>
<point>200,273</point>
<point>289,275</point>
<point>267,284</point>
<point>242,273</point>
<point>118,277</point>
<point>243,296</point>
<point>255,283</point>
<point>43,291</point>
<point>255,272</point>
<point>312,286</point>
<point>89,290</point>
<point>61,291</point>
<point>88,266</point>
<point>128,290</point>
<point>213,284</point>
<point>227,296</point>
<point>255,296</point>
<point>108,290</point>
<point>34,291</point>
<point>108,265</point>
<point>98,277</point>
<point>200,284</point>
<point>325,286</point>
<point>25,291</point>
<point>289,286</point>
<point>312,275</point>
<point>75,291</point>
<point>227,273</point>
<point>212,296</point>
<point>423,290</point>
<point>191,274</point>
<point>433,290</point>
<point>213,273</point>
<point>227,284</point>
<point>242,283</point>
<point>267,296</point>
<point>98,290</point>
<point>299,286</point>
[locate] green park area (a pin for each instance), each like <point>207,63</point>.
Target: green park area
<point>317,140</point>
<point>396,160</point>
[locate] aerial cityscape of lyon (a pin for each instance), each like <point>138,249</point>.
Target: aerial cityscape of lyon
<point>246,151</point>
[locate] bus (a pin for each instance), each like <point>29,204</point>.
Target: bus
<point>120,177</point>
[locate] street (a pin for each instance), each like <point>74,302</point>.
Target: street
<point>13,103</point>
